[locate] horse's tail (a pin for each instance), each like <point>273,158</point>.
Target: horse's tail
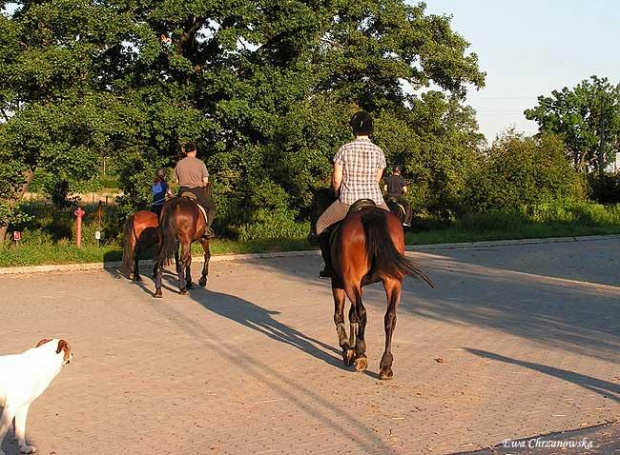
<point>129,244</point>
<point>167,236</point>
<point>384,258</point>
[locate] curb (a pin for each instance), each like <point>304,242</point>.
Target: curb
<point>97,266</point>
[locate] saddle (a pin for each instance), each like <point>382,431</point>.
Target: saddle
<point>192,197</point>
<point>361,204</point>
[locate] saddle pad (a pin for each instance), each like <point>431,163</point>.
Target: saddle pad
<point>204,213</point>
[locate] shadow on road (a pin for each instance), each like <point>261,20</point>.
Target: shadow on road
<point>603,388</point>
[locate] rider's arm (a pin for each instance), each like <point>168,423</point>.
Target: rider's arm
<point>379,175</point>
<point>205,175</point>
<point>337,177</point>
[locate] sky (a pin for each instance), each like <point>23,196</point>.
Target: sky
<point>529,48</point>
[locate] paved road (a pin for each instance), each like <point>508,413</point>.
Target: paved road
<point>516,341</point>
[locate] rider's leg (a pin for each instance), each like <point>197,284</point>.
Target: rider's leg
<point>408,212</point>
<point>205,201</point>
<point>334,213</point>
<point>326,270</point>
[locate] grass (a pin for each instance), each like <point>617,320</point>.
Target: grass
<point>544,221</point>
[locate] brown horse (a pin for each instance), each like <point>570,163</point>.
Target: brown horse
<point>367,247</point>
<point>181,223</point>
<point>139,236</point>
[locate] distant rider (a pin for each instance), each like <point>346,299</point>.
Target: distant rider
<point>160,190</point>
<point>192,176</point>
<point>396,187</point>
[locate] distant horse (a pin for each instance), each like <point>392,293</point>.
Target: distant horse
<point>367,247</point>
<point>139,236</point>
<point>181,223</point>
<point>396,208</point>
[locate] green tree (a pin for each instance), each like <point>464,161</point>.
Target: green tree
<point>587,118</point>
<point>59,116</point>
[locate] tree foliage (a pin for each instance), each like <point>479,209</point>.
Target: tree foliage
<point>587,118</point>
<point>265,88</point>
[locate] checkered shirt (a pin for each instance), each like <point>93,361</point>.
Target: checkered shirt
<point>360,160</point>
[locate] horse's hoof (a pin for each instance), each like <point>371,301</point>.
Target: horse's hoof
<point>361,363</point>
<point>386,374</point>
<point>347,356</point>
<point>158,295</point>
<point>189,285</point>
<point>183,292</point>
<point>202,282</point>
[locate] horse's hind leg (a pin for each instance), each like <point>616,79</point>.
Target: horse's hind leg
<point>136,269</point>
<point>205,267</point>
<point>353,325</point>
<point>188,273</point>
<point>393,290</point>
<point>184,264</point>
<point>355,295</point>
<point>343,341</point>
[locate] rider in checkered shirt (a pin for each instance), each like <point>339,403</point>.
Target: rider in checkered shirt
<point>358,169</point>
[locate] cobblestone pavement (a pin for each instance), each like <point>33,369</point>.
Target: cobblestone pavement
<point>515,341</point>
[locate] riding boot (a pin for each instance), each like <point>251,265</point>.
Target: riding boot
<point>326,271</point>
<point>209,234</point>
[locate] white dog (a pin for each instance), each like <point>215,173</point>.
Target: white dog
<point>23,377</point>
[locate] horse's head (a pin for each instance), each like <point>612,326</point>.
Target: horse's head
<point>322,198</point>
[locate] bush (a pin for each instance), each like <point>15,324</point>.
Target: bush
<point>605,188</point>
<point>522,171</point>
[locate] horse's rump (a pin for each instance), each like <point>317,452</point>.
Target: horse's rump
<point>374,238</point>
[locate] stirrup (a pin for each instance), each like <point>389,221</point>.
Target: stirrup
<point>208,234</point>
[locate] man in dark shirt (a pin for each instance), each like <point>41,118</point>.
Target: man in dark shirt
<point>396,187</point>
<point>192,175</point>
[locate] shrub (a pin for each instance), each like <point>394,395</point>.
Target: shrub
<point>523,171</point>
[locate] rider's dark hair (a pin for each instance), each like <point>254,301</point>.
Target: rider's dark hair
<point>161,173</point>
<point>397,169</point>
<point>361,122</point>
<point>190,147</point>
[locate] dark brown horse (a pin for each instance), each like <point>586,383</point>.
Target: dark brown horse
<point>140,235</point>
<point>367,247</point>
<point>181,224</point>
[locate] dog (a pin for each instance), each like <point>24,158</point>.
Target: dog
<point>23,377</point>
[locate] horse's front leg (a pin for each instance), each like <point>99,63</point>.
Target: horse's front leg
<point>343,340</point>
<point>207,257</point>
<point>158,272</point>
<point>393,290</point>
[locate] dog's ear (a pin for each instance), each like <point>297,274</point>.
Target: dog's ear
<point>64,346</point>
<point>43,341</point>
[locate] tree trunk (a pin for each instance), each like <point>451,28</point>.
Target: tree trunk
<point>17,196</point>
